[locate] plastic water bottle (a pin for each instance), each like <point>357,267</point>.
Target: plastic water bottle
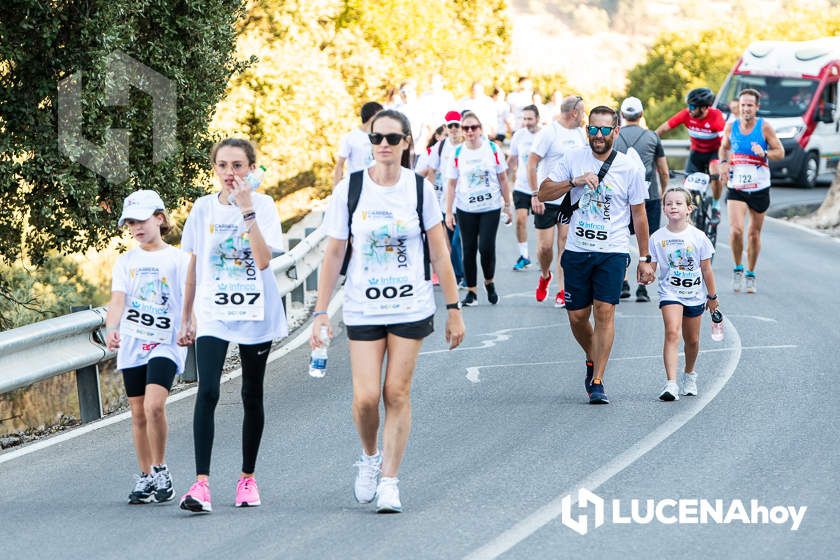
<point>255,177</point>
<point>318,358</point>
<point>717,325</point>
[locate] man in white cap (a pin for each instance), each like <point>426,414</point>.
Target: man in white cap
<point>140,205</point>
<point>648,146</point>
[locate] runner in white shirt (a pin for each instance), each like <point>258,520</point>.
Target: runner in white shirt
<point>143,318</point>
<point>551,143</point>
<point>520,149</point>
<point>597,248</point>
<point>355,147</point>
<point>478,186</point>
<point>231,235</point>
<point>681,255</point>
<point>440,157</point>
<point>389,301</point>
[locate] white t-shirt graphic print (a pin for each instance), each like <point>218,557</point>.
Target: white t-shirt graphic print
<point>153,283</point>
<point>600,223</point>
<point>215,234</point>
<point>477,172</point>
<point>678,257</point>
<point>385,277</point>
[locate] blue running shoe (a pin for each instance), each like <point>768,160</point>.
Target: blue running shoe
<point>522,264</point>
<point>598,396</point>
<point>590,371</point>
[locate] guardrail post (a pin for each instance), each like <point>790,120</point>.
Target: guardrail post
<point>190,374</point>
<point>298,294</point>
<point>312,279</point>
<point>87,386</point>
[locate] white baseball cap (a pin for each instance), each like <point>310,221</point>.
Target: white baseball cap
<point>631,107</point>
<point>140,205</point>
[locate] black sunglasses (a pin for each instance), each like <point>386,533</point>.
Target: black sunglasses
<point>453,125</point>
<point>471,127</point>
<point>393,138</point>
<point>605,130</point>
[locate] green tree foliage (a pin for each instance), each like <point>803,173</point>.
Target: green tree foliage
<point>680,61</point>
<point>48,202</point>
<point>320,60</point>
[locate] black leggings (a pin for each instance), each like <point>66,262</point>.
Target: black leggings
<point>478,235</point>
<point>210,355</point>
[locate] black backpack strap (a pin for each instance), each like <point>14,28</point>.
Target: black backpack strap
<point>567,206</point>
<point>440,146</point>
<point>426,256</point>
<point>354,193</point>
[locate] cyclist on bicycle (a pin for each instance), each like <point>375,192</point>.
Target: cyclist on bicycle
<point>705,126</point>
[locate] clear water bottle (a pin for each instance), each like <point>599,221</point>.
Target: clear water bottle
<point>717,325</point>
<point>255,177</point>
<point>318,358</point>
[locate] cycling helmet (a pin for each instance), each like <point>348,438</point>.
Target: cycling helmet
<point>702,97</point>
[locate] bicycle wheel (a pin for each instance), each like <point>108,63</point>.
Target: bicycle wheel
<point>698,215</point>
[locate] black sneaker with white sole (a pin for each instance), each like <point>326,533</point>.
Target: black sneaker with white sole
<point>492,295</point>
<point>625,290</point>
<point>641,294</point>
<point>469,300</point>
<point>144,489</point>
<point>163,484</point>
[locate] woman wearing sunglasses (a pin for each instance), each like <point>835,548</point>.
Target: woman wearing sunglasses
<point>479,189</point>
<point>389,301</point>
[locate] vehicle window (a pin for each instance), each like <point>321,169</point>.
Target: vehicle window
<point>780,97</point>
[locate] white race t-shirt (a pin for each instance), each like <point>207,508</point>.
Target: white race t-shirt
<point>153,283</point>
<point>386,276</point>
<point>520,148</point>
<point>477,172</point>
<point>600,223</point>
<point>439,160</point>
<point>678,257</point>
<point>356,149</point>
<point>234,300</point>
<point>551,143</point>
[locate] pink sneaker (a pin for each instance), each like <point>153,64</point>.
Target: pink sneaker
<point>247,493</point>
<point>197,499</point>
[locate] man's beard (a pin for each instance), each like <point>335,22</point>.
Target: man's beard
<point>601,149</point>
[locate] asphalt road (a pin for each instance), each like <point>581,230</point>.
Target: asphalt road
<point>502,430</point>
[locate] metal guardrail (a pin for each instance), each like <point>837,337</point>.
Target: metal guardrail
<point>48,348</point>
<point>676,148</point>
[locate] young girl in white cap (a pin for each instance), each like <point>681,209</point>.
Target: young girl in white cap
<point>142,322</point>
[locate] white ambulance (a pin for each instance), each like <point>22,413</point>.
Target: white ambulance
<point>798,86</point>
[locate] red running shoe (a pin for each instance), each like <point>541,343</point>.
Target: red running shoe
<point>542,288</point>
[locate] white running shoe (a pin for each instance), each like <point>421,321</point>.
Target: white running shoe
<point>670,392</point>
<point>690,384</point>
<point>749,282</point>
<point>738,279</point>
<point>367,477</point>
<point>388,496</point>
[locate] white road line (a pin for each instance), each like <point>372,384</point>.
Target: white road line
<point>474,371</point>
<point>620,315</point>
<point>299,340</point>
<point>552,510</point>
<point>498,336</point>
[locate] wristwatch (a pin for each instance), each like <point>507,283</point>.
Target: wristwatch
<point>646,258</point>
<point>456,305</point>
<point>711,297</point>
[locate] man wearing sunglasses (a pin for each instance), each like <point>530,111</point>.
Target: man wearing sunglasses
<point>606,188</point>
<point>705,129</point>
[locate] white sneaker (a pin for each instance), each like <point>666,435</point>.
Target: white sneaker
<point>690,384</point>
<point>749,281</point>
<point>670,392</point>
<point>738,279</point>
<point>367,478</point>
<point>388,496</point>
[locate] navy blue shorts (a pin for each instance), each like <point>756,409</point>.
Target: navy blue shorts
<point>689,311</point>
<point>590,276</point>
